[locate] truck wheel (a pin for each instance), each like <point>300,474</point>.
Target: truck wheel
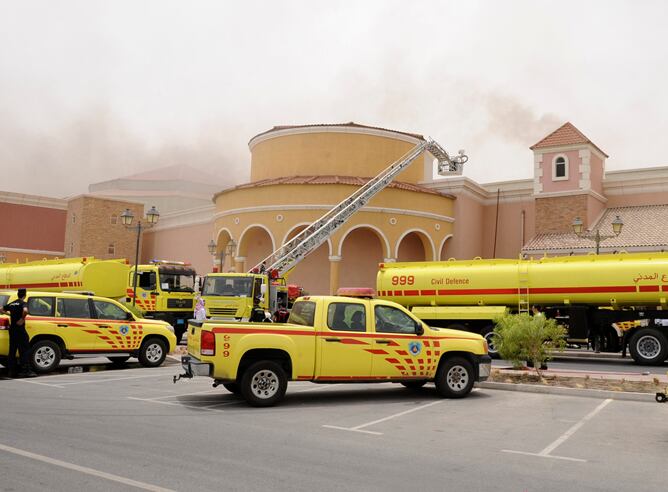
<point>414,385</point>
<point>487,333</point>
<point>660,398</point>
<point>648,347</point>
<point>152,352</point>
<point>264,384</point>
<point>45,356</point>
<point>232,388</point>
<point>454,378</point>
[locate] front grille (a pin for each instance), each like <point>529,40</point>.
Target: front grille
<point>223,311</point>
<point>180,303</point>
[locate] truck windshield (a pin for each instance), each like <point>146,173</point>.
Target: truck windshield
<point>228,286</point>
<point>174,282</point>
<point>3,299</point>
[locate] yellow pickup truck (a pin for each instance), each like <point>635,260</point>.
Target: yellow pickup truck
<point>331,339</point>
<point>63,326</point>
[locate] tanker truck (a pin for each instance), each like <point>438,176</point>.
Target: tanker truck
<point>606,302</point>
<point>165,290</point>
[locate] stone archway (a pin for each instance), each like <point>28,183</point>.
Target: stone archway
<point>362,249</point>
<point>255,244</point>
<point>445,246</point>
<point>312,273</point>
<point>414,245</point>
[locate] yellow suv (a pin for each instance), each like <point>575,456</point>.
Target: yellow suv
<point>64,326</point>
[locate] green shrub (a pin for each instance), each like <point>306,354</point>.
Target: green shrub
<point>522,337</point>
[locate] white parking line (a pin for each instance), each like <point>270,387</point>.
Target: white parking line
<point>84,469</point>
<point>208,408</point>
<point>545,453</point>
<point>112,379</point>
<point>358,428</point>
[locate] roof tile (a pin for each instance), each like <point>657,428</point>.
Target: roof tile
<point>566,134</point>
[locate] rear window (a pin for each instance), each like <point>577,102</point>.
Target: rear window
<point>303,313</point>
<point>40,306</point>
<point>73,308</point>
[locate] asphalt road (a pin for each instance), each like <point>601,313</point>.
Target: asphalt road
<point>133,429</point>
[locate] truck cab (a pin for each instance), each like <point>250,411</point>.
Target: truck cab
<point>165,291</point>
<point>237,295</point>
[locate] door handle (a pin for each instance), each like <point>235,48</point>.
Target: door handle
<point>386,342</point>
<point>63,326</point>
<point>104,326</point>
<point>332,339</point>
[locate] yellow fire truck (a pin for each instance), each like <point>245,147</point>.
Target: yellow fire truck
<point>165,290</point>
<point>591,295</point>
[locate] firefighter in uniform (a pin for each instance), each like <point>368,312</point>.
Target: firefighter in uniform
<point>18,337</point>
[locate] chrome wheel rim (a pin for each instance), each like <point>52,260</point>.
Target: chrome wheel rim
<point>154,352</point>
<point>491,348</point>
<point>264,384</point>
<point>457,378</point>
<point>648,346</point>
<point>44,357</point>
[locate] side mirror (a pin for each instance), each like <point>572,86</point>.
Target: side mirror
<point>129,316</point>
<point>419,329</point>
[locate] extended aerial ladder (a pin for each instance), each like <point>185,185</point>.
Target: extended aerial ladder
<point>281,261</point>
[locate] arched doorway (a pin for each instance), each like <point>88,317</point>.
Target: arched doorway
<point>414,245</point>
<point>312,273</point>
<point>255,244</point>
<point>445,246</point>
<point>361,249</point>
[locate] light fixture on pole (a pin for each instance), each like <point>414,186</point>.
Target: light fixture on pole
<point>127,217</point>
<point>228,250</point>
<point>3,258</point>
<point>596,236</point>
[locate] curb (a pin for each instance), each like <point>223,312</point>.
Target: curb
<point>561,390</point>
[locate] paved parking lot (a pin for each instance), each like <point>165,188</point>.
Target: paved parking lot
<point>133,429</point>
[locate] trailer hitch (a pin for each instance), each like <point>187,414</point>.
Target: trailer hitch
<point>185,375</point>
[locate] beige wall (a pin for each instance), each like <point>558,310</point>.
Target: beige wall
<point>467,240</point>
<point>187,243</point>
<point>516,225</point>
<point>343,154</point>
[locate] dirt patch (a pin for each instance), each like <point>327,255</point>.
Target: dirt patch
<point>585,382</point>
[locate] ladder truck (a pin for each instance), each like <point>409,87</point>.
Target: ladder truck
<point>242,295</point>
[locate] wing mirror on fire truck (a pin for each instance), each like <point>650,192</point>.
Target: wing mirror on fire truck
<point>419,329</point>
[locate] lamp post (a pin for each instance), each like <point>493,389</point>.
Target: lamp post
<point>3,258</point>
<point>596,236</point>
<point>228,250</point>
<point>127,218</point>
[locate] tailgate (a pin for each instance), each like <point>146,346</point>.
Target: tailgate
<point>194,337</point>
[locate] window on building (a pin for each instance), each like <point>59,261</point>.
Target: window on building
<point>111,249</point>
<point>114,219</point>
<point>74,218</point>
<point>560,168</point>
<point>71,247</point>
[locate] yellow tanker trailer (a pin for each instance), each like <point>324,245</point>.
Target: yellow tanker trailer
<point>593,295</point>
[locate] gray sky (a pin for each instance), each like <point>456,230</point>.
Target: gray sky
<point>92,90</point>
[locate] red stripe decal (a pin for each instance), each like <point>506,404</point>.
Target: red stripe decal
<point>649,288</point>
<point>352,341</point>
<point>392,361</point>
<point>428,292</point>
<point>376,351</point>
<point>94,332</point>
<point>397,293</point>
<point>402,352</point>
<point>411,292</point>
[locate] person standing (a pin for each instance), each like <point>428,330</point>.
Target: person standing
<point>18,337</point>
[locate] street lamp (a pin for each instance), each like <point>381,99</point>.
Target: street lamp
<point>229,250</point>
<point>127,218</point>
<point>596,236</point>
<point>3,258</point>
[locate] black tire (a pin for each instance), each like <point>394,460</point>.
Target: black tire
<point>120,360</point>
<point>661,397</point>
<point>232,388</point>
<point>45,356</point>
<point>414,385</point>
<point>455,377</point>
<point>487,333</point>
<point>648,346</point>
<point>264,383</point>
<point>152,352</point>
